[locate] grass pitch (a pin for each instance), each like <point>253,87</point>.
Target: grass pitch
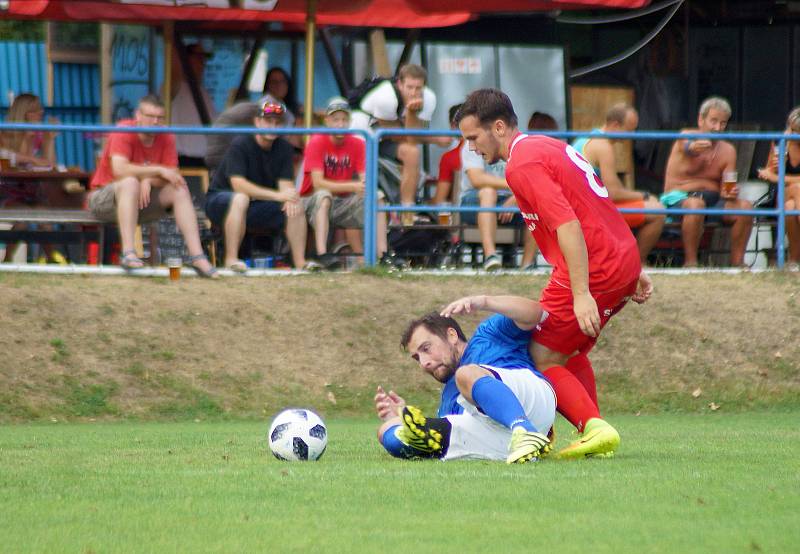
<point>681,483</point>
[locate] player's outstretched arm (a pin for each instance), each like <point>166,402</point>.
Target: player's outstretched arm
<point>387,404</point>
<point>525,312</point>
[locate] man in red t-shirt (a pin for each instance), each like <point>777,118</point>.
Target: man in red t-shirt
<point>138,181</point>
<point>449,165</point>
<point>595,259</point>
<point>333,187</point>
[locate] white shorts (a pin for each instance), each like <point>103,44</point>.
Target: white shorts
<point>475,436</point>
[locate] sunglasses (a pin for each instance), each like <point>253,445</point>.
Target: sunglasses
<point>272,109</point>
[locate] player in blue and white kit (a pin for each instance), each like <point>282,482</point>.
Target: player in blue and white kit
<point>494,404</point>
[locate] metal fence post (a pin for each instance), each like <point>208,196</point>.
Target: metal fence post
<point>780,203</point>
<point>371,201</point>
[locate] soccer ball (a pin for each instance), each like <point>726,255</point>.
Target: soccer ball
<point>297,435</point>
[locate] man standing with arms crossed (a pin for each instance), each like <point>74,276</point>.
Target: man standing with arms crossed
<point>595,259</point>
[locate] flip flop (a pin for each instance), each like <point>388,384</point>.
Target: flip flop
<point>238,267</point>
<point>210,274</point>
<point>130,261</point>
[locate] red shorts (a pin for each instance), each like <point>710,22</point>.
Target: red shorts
<point>560,330</point>
<point>633,220</point>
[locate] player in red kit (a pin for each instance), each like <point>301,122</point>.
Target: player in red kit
<point>595,258</point>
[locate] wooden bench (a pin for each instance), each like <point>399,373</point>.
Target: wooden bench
<point>54,215</point>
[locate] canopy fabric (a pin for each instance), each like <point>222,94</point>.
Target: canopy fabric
<point>516,6</point>
<point>353,13</point>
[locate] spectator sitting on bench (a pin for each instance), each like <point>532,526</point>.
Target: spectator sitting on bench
<point>32,149</point>
<point>792,184</point>
<point>599,152</point>
<point>253,188</point>
<point>484,184</point>
<point>333,188</point>
<point>138,181</point>
<point>693,180</point>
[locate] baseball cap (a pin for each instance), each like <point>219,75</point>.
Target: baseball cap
<point>271,107</point>
<point>337,104</point>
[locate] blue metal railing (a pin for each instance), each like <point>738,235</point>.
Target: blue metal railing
<point>372,208</point>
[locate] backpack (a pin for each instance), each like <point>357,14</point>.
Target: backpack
<point>357,94</point>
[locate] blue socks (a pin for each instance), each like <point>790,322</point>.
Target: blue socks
<point>395,446</point>
<point>497,401</point>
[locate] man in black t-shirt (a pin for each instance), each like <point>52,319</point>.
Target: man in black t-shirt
<point>253,188</point>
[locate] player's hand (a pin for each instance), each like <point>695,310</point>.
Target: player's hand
<point>586,313</point>
<point>388,404</point>
<point>144,193</point>
<point>644,289</point>
<point>465,305</point>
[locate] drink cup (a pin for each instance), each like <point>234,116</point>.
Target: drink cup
<point>174,265</point>
<point>729,180</point>
<point>445,215</point>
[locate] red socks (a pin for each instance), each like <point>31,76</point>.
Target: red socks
<point>574,402</point>
<point>581,367</point>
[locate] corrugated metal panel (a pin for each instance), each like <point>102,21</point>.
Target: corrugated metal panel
<point>76,95</point>
<point>23,69</point>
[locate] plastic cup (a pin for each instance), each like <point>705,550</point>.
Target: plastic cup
<point>174,265</point>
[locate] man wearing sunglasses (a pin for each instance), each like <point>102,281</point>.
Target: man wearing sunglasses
<point>253,188</point>
<point>138,181</point>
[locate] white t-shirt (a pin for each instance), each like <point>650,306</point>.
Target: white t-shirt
<point>184,113</point>
<point>382,103</point>
<point>471,160</point>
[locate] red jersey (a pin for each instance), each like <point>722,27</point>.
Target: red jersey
<point>161,152</point>
<point>554,184</point>
<point>338,162</point>
<point>450,163</point>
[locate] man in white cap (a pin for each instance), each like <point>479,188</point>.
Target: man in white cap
<point>333,187</point>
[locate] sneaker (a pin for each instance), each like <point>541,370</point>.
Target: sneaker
<point>598,440</point>
<point>526,446</point>
<point>330,262</point>
<point>407,219</point>
<point>793,267</point>
<point>313,266</point>
<point>530,267</point>
<point>426,435</point>
<point>492,263</point>
<point>393,261</point>
<point>58,258</point>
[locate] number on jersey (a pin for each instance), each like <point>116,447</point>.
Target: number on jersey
<point>591,177</point>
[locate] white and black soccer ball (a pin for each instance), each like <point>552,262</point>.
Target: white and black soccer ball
<point>297,435</point>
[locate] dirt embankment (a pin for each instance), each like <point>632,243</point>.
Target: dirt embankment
<point>91,347</point>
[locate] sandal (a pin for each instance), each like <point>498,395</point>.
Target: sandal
<point>210,274</point>
<point>130,261</point>
<point>238,267</point>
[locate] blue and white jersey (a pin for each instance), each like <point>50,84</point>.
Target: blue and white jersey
<point>497,342</point>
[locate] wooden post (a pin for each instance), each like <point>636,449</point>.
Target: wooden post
<point>311,32</point>
<point>169,35</point>
<point>106,98</point>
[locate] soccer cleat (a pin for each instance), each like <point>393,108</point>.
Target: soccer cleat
<point>420,432</point>
<point>526,446</point>
<point>599,439</point>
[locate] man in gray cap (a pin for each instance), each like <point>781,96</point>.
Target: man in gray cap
<point>333,187</point>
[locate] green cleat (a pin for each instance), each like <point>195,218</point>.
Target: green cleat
<point>599,440</point>
<point>419,432</point>
<point>526,446</point>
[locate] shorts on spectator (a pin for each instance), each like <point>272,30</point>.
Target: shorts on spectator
<point>264,215</point>
<point>633,220</point>
<point>712,200</point>
<point>470,198</point>
<point>103,205</point>
<point>346,212</point>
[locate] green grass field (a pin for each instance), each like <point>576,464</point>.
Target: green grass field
<point>680,483</point>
